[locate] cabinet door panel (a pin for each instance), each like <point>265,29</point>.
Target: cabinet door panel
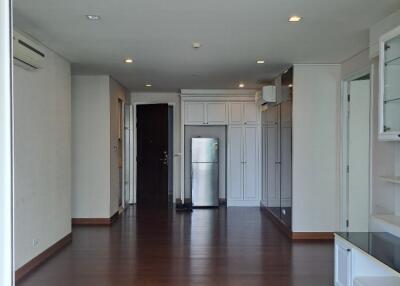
<point>250,113</point>
<point>272,191</point>
<point>217,113</point>
<point>251,163</point>
<point>236,113</point>
<point>235,190</point>
<point>194,113</point>
<point>342,265</point>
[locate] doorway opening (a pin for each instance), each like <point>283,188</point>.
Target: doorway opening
<point>154,155</point>
<point>356,129</point>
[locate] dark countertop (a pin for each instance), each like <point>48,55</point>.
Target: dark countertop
<point>383,246</point>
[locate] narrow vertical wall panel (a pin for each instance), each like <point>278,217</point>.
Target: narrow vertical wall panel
<point>6,248</point>
<point>315,148</point>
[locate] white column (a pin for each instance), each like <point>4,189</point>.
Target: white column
<point>6,241</point>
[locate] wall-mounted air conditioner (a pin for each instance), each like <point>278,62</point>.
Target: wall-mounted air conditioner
<point>27,54</point>
<point>266,95</point>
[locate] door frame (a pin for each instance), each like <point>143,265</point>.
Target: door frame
<point>6,146</point>
<point>175,134</point>
<point>344,136</point>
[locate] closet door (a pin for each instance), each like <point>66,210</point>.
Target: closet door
<point>236,113</point>
<point>217,113</point>
<point>195,113</point>
<point>235,181</point>
<point>273,193</point>
<point>251,113</point>
<point>250,149</point>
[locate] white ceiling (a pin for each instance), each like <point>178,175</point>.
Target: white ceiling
<point>158,34</point>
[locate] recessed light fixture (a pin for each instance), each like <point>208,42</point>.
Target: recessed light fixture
<point>196,45</point>
<point>260,61</point>
<point>148,85</point>
<point>93,17</point>
<point>290,85</point>
<point>128,60</point>
<point>295,18</point>
<point>241,85</point>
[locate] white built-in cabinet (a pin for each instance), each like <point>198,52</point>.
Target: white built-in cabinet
<point>242,117</point>
<point>206,113</point>
<point>243,113</point>
<point>343,260</point>
<point>243,169</point>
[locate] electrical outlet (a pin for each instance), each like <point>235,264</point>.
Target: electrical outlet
<point>35,242</point>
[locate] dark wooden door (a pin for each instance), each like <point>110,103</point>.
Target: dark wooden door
<point>152,155</point>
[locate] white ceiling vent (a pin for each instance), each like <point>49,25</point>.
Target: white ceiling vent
<point>27,54</point>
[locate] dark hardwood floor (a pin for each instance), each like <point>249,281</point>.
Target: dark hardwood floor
<point>234,246</point>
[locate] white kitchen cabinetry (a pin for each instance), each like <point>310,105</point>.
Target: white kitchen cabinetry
<point>243,166</point>
<point>206,113</point>
<point>246,113</point>
<point>342,263</point>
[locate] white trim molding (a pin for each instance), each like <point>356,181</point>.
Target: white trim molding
<point>6,154</point>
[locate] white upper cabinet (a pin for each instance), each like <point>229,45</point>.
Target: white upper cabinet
<point>217,113</point>
<point>195,113</point>
<point>236,113</point>
<point>243,113</point>
<point>251,113</point>
<point>389,74</point>
<point>206,113</point>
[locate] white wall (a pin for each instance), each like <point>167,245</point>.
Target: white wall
<point>6,249</point>
<point>166,97</point>
<point>315,148</point>
<point>90,147</point>
<point>42,157</point>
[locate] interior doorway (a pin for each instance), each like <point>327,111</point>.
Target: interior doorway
<point>153,154</point>
<point>356,154</point>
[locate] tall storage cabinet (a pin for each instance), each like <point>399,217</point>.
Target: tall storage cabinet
<point>237,110</point>
<point>243,164</point>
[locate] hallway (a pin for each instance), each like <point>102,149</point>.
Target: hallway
<point>229,246</point>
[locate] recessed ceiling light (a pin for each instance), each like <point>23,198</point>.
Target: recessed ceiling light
<point>241,85</point>
<point>260,61</point>
<point>295,18</point>
<point>148,85</point>
<point>196,45</point>
<point>290,85</point>
<point>128,60</point>
<point>93,17</point>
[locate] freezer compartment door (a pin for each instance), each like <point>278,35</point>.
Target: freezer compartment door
<point>205,150</point>
<point>205,185</point>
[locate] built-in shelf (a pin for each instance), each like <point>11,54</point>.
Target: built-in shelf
<point>386,223</point>
<point>391,179</point>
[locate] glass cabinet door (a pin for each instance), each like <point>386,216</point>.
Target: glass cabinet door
<point>390,86</point>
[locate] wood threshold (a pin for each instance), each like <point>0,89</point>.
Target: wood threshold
<point>27,268</point>
<point>96,221</point>
<point>312,235</point>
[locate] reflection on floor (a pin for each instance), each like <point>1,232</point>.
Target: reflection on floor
<point>234,246</point>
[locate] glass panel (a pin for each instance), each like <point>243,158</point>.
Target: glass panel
<point>391,99</point>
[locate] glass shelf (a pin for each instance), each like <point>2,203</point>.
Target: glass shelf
<point>391,100</point>
<point>393,62</point>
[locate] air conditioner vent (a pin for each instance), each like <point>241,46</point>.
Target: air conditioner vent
<point>27,53</point>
